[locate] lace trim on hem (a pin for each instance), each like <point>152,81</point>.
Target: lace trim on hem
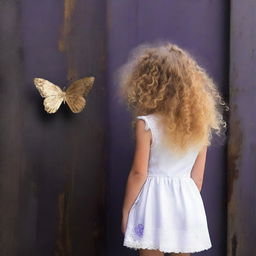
<point>149,246</point>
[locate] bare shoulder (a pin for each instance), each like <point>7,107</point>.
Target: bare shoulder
<point>201,157</point>
<point>141,121</point>
<point>142,131</point>
<point>141,126</point>
<point>203,151</point>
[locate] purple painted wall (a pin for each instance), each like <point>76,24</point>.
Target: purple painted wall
<point>202,28</point>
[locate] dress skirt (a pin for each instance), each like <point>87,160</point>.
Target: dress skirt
<point>168,215</point>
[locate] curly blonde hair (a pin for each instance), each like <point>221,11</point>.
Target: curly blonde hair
<point>166,80</point>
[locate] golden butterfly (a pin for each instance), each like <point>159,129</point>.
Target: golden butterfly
<point>74,95</point>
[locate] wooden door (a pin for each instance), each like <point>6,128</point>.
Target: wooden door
<point>52,179</point>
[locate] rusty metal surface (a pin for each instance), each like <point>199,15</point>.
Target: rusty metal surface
<point>52,176</point>
<point>242,142</point>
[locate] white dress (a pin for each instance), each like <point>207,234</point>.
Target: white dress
<point>168,214</point>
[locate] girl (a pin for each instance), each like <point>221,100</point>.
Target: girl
<point>176,108</point>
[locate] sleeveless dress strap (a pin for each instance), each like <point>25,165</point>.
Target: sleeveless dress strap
<point>148,125</point>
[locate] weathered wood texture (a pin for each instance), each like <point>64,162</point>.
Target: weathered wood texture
<point>242,127</point>
<point>52,175</point>
<point>12,155</point>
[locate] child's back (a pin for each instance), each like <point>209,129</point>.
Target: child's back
<point>168,213</point>
<point>163,161</point>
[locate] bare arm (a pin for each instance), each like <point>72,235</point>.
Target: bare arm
<point>138,173</point>
<point>197,172</point>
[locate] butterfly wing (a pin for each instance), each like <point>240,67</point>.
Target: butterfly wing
<point>76,103</point>
<point>52,93</point>
<point>52,104</point>
<point>76,92</point>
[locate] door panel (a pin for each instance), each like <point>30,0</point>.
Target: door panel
<point>201,27</point>
<point>52,166</point>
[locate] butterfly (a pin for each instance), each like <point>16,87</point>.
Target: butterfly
<point>74,95</point>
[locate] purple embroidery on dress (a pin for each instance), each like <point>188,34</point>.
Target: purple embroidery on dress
<point>139,230</point>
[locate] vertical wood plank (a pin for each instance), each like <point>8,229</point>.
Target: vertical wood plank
<point>242,140</point>
<point>202,28</point>
<point>11,111</point>
<point>52,174</point>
